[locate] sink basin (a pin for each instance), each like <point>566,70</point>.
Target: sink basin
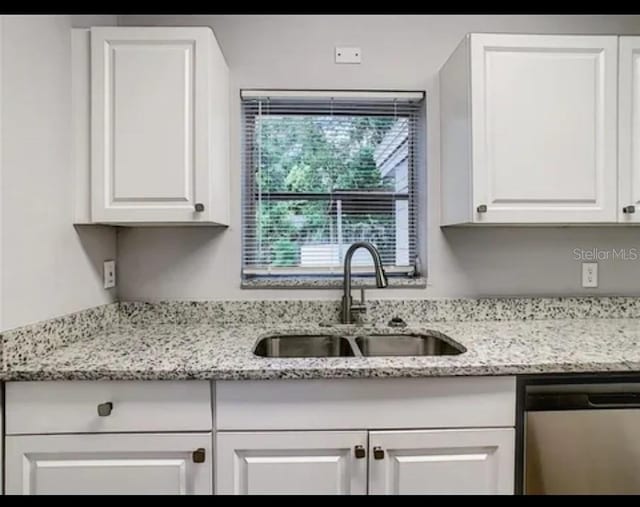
<point>430,343</point>
<point>406,345</point>
<point>303,346</point>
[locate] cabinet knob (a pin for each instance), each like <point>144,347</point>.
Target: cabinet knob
<point>378,453</point>
<point>104,409</point>
<point>629,209</point>
<point>359,452</point>
<point>482,208</point>
<point>199,207</point>
<point>198,455</point>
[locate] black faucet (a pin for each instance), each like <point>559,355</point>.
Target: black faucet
<point>381,280</point>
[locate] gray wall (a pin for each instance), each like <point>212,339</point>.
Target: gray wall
<point>399,52</point>
<point>48,267</point>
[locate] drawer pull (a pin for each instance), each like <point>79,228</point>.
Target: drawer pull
<point>629,209</point>
<point>198,455</point>
<point>378,453</point>
<point>359,452</point>
<point>104,409</point>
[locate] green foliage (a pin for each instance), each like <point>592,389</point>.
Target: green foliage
<point>315,154</point>
<point>361,171</point>
<point>285,253</point>
<point>303,178</point>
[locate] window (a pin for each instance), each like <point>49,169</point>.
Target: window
<point>323,170</point>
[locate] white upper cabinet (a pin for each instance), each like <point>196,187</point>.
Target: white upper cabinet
<point>629,130</point>
<point>159,107</point>
<point>528,130</point>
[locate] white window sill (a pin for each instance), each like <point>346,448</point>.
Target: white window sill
<point>299,282</point>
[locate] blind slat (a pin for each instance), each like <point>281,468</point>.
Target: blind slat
<point>320,173</point>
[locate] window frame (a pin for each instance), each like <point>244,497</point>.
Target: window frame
<point>249,192</point>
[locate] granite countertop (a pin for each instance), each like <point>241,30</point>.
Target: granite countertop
<point>149,350</point>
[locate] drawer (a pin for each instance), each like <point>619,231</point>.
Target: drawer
<point>73,406</point>
<point>378,403</point>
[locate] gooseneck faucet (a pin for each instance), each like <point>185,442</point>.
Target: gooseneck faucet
<point>381,280</point>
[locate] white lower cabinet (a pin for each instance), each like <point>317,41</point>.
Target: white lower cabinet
<point>324,436</point>
<point>162,463</point>
<point>291,462</point>
<point>366,436</point>
<point>458,461</point>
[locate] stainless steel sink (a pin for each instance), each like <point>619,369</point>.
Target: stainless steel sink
<point>412,344</point>
<point>303,346</point>
<point>430,343</point>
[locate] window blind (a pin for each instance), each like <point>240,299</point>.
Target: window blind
<point>321,172</point>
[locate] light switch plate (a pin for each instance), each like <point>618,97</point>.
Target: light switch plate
<point>348,55</point>
<point>109,274</point>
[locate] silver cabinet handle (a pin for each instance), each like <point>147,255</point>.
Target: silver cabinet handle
<point>359,452</point>
<point>378,453</point>
<point>482,208</point>
<point>199,207</point>
<point>104,409</point>
<point>629,209</point>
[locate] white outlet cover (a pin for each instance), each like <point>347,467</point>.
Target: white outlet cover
<point>348,55</point>
<point>589,274</point>
<point>109,274</point>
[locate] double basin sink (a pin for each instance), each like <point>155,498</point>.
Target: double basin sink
<point>373,344</point>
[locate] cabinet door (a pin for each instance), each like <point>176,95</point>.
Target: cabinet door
<point>291,462</point>
<point>108,464</point>
<point>475,461</point>
<point>629,130</point>
<point>544,117</point>
<point>150,114</point>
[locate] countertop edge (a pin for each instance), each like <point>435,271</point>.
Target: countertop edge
<point>320,373</point>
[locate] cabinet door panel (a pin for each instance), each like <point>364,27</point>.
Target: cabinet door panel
<point>108,464</point>
<point>292,462</point>
<point>544,128</point>
<point>150,123</point>
<point>145,121</point>
<point>629,129</point>
<point>442,462</point>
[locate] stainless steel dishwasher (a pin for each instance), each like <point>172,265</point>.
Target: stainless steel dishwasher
<point>582,439</point>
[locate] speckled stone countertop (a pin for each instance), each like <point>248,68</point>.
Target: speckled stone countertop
<point>148,348</point>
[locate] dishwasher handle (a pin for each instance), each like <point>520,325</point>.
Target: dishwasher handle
<point>581,401</point>
<point>613,400</point>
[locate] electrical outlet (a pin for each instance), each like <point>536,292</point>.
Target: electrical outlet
<point>589,274</point>
<point>109,274</point>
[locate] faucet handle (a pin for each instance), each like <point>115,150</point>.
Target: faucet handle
<point>360,307</point>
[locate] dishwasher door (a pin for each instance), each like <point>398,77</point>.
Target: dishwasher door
<point>584,444</point>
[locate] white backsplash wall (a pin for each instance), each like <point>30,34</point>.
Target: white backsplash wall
<point>48,267</point>
<point>398,52</point>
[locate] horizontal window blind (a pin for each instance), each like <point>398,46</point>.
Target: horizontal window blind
<point>321,172</point>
